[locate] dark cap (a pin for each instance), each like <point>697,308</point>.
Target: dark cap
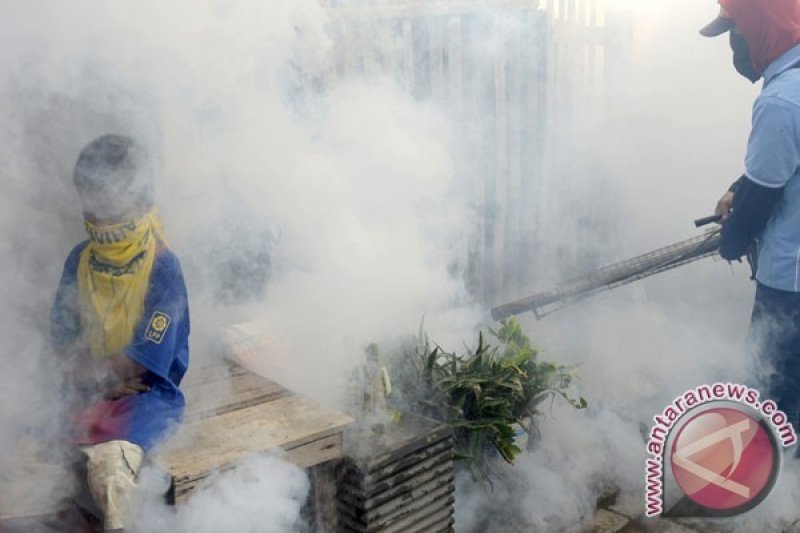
<point>722,24</point>
<point>112,175</point>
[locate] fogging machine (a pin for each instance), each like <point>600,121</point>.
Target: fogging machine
<point>617,274</point>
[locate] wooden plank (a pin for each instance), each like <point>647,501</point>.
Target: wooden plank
<point>419,509</point>
<point>412,434</point>
<point>305,456</point>
<point>444,447</point>
<point>438,521</point>
<point>399,506</point>
<point>219,441</point>
<point>352,481</point>
<point>237,379</point>
<point>373,500</point>
<point>197,377</point>
<point>368,485</point>
<point>443,508</point>
<point>316,452</point>
<point>443,526</point>
<point>353,484</point>
<point>219,396</point>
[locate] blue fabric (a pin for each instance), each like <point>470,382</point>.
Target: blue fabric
<point>773,161</point>
<point>65,319</point>
<point>775,335</point>
<point>145,418</point>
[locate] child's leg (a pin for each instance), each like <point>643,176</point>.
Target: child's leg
<point>112,468</point>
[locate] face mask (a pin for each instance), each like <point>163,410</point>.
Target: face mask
<point>742,60</point>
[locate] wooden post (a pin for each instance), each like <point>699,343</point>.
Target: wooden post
<point>514,191</point>
<point>502,192</point>
<point>407,51</point>
<point>436,47</point>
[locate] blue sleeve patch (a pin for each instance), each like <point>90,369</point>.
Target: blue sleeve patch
<point>161,342</point>
<point>157,327</point>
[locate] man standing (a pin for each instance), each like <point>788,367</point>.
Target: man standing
<point>121,320</point>
<point>761,211</point>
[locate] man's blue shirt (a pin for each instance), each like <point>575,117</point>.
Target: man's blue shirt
<point>773,161</point>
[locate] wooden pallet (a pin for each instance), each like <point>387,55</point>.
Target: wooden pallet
<point>405,485</point>
<point>232,414</point>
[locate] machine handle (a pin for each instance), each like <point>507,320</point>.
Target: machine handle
<point>705,221</point>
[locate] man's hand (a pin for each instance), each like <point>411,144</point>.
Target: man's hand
<point>129,387</point>
<point>724,206</point>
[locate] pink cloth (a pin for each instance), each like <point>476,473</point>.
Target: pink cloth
<point>770,27</point>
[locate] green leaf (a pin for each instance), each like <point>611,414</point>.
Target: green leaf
<point>485,393</point>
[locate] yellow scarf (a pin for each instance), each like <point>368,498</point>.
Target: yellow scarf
<point>113,277</point>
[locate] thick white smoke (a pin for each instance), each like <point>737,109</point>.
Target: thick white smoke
<point>659,154</point>
<point>348,185</point>
<point>354,184</point>
<point>261,495</point>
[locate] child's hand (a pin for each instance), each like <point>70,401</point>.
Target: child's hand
<point>129,387</point>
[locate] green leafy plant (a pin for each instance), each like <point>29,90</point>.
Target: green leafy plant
<point>485,394</point>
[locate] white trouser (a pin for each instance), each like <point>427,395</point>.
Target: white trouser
<point>112,468</point>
